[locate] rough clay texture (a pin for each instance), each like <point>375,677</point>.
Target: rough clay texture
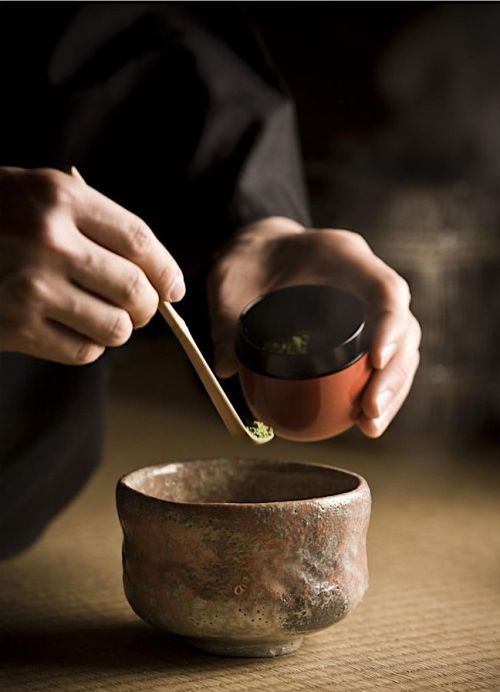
<point>260,572</point>
<point>430,621</point>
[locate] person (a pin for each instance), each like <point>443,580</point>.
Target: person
<point>179,123</point>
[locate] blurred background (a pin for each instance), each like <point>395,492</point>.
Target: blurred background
<point>399,115</point>
<point>398,110</point>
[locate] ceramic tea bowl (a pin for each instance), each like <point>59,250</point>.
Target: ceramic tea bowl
<point>243,557</point>
<point>303,360</point>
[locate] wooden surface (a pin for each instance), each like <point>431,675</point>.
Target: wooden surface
<point>430,620</point>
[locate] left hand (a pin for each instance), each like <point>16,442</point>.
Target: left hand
<point>277,252</point>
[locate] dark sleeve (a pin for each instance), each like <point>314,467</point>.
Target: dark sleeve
<point>51,424</point>
<point>175,111</point>
<point>172,110</point>
<point>248,148</point>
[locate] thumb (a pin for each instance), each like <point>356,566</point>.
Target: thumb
<point>223,337</point>
<point>224,320</point>
<point>225,364</point>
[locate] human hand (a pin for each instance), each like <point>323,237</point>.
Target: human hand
<point>278,252</point>
<point>77,272</point>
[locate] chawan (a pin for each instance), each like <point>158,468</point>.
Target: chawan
<point>243,557</point>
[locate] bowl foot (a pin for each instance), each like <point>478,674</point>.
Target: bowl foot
<point>247,648</point>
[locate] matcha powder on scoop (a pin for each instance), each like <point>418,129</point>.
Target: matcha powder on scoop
<point>260,430</point>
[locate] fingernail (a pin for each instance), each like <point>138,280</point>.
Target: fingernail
<point>382,401</point>
<point>387,353</point>
<point>177,290</point>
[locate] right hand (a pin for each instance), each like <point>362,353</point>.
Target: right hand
<point>276,252</point>
<point>77,272</point>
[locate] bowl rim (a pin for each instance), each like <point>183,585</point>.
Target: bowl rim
<point>346,497</point>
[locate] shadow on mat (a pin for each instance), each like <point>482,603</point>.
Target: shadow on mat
<point>126,646</point>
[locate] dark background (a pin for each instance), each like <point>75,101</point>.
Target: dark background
<point>399,115</point>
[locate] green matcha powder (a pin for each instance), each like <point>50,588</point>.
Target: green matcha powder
<point>260,430</point>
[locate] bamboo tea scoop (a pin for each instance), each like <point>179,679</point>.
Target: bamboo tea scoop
<point>224,407</point>
<point>258,433</point>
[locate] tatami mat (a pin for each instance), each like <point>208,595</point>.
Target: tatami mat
<point>430,621</point>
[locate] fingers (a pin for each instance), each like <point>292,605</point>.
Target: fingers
<point>375,427</point>
<point>390,314</point>
<point>50,318</point>
<point>45,201</point>
<point>116,279</point>
<point>389,387</point>
<point>88,315</point>
<point>45,339</point>
<point>223,317</point>
<point>230,286</point>
<point>396,333</point>
<point>77,271</point>
<point>338,258</point>
<point>224,322</point>
<point>113,227</point>
<point>396,337</point>
<point>60,344</point>
<point>346,260</point>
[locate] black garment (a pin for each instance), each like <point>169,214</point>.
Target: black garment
<point>173,111</point>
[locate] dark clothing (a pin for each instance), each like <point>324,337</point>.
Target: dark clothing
<point>173,111</point>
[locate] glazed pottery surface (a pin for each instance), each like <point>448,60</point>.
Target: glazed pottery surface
<point>243,556</point>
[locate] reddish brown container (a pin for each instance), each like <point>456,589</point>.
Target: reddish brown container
<point>303,360</point>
